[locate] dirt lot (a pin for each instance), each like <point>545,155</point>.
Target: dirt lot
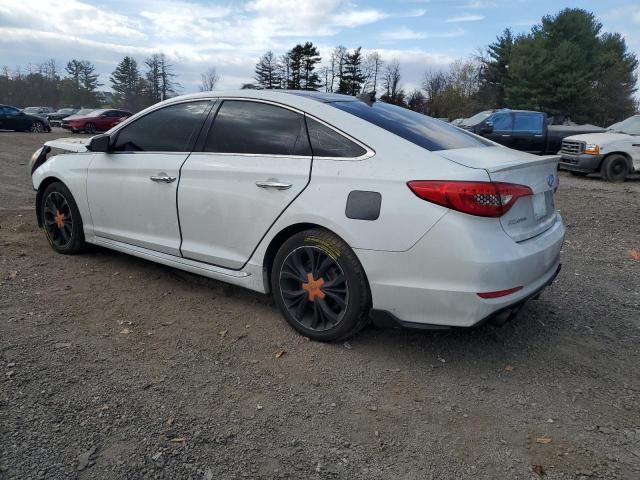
<point>113,367</point>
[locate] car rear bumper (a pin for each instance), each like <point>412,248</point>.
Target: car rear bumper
<point>581,163</point>
<point>436,282</point>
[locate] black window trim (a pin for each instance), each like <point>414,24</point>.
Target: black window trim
<point>133,119</point>
<point>369,152</point>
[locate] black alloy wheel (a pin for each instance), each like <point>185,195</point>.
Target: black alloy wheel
<point>314,288</point>
<point>320,286</point>
<point>36,127</point>
<point>90,128</point>
<point>61,219</point>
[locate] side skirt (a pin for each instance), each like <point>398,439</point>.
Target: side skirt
<point>244,279</point>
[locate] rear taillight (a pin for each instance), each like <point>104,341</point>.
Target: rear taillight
<point>484,199</point>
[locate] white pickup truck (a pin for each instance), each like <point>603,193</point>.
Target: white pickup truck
<point>614,153</point>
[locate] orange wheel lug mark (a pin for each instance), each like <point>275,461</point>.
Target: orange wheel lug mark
<point>59,219</point>
<point>314,287</point>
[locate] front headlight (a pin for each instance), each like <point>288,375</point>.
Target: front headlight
<point>592,149</point>
<point>34,159</point>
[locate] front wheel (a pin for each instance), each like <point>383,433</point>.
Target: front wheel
<point>320,286</point>
<point>615,168</point>
<point>90,128</point>
<point>61,220</point>
<point>36,127</point>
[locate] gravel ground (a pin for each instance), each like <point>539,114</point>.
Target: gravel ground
<point>112,367</point>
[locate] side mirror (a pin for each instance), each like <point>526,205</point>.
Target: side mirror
<point>486,128</point>
<point>100,143</point>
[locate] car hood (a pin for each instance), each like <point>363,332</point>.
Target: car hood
<point>599,138</point>
<point>70,144</point>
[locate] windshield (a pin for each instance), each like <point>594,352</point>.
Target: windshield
<point>631,126</point>
<point>477,118</point>
<point>427,132</point>
<point>65,110</point>
<point>31,110</point>
<point>85,111</point>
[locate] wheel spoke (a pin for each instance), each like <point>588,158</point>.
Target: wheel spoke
<point>339,299</point>
<point>293,294</point>
<point>326,311</point>
<point>337,280</point>
<point>301,307</point>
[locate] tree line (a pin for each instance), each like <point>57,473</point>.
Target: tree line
<point>565,66</point>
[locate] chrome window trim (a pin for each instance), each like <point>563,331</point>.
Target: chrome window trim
<point>369,152</point>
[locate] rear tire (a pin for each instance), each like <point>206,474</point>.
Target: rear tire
<point>61,220</point>
<point>615,168</point>
<point>320,286</point>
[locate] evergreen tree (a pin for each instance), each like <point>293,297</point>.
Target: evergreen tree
<point>267,71</point>
<point>310,57</point>
<point>495,70</point>
<point>352,78</point>
<point>127,84</point>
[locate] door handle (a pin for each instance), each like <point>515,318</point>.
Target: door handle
<point>162,177</point>
<point>274,184</point>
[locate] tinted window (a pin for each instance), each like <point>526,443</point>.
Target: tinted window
<point>417,128</point>
<point>259,128</point>
<point>528,122</point>
<point>11,112</point>
<point>502,122</point>
<point>326,142</point>
<point>170,129</point>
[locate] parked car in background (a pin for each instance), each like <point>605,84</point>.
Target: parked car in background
<point>12,118</point>
<point>614,153</point>
<point>55,118</point>
<point>39,111</point>
<point>94,120</point>
<point>414,218</point>
<point>524,130</point>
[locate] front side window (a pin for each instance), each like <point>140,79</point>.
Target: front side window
<point>502,122</point>
<point>528,122</point>
<point>326,142</point>
<point>424,131</point>
<point>257,128</point>
<point>170,129</point>
<point>10,112</point>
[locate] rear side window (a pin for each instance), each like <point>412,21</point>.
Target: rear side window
<point>502,122</point>
<point>257,128</point>
<point>417,128</point>
<point>528,122</point>
<point>170,129</point>
<point>326,142</point>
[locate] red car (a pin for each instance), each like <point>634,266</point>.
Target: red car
<point>94,120</point>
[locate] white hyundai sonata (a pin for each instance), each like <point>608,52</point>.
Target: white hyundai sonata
<point>344,208</point>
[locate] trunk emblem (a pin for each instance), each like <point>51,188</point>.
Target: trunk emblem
<point>551,179</point>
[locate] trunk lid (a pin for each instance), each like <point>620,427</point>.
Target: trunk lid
<point>530,215</point>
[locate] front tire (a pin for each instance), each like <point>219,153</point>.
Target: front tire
<point>36,127</point>
<point>90,128</point>
<point>615,168</point>
<point>61,220</point>
<point>320,286</point>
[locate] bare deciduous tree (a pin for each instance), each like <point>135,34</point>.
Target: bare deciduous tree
<point>209,80</point>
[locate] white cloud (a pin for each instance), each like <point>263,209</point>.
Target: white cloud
<point>465,18</point>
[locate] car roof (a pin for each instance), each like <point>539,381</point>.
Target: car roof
<point>284,96</point>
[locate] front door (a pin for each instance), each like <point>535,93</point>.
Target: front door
<point>132,190</point>
<point>502,128</point>
<point>255,161</point>
<point>529,132</point>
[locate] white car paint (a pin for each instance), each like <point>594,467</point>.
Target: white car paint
<point>612,142</point>
<point>425,263</point>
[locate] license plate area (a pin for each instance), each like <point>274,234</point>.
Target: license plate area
<point>542,205</point>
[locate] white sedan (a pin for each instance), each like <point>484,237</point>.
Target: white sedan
<point>344,208</point>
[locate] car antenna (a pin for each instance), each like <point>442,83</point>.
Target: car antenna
<point>367,97</point>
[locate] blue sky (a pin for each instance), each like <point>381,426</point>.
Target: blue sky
<point>231,35</point>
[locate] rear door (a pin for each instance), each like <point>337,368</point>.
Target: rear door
<point>529,132</point>
<point>256,160</point>
<point>132,190</point>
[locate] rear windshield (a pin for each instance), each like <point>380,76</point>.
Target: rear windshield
<point>427,132</point>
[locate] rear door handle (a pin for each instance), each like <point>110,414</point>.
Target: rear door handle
<point>163,178</point>
<point>274,184</point>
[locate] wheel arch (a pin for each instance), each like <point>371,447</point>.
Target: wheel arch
<point>41,188</point>
<point>283,235</point>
